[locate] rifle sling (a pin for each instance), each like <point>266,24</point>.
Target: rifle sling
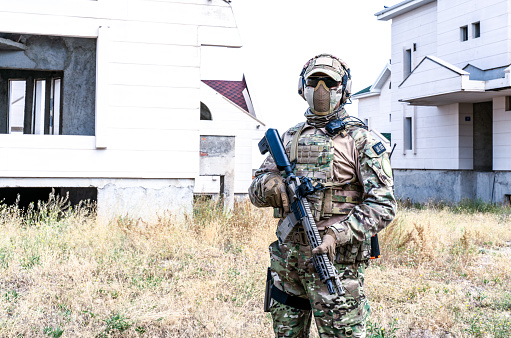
<point>289,300</point>
<point>293,152</point>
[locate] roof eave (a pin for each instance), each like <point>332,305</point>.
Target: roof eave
<point>364,95</point>
<point>400,8</point>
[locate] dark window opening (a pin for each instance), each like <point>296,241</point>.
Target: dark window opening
<point>34,104</point>
<point>205,113</point>
<point>508,103</point>
<point>476,30</point>
<point>464,33</point>
<point>407,62</point>
<point>408,134</point>
<point>25,196</point>
<point>483,136</point>
<point>507,199</point>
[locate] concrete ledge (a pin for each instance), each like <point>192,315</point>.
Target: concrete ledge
<point>452,185</point>
<point>6,44</point>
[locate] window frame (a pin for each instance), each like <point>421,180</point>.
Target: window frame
<point>464,33</point>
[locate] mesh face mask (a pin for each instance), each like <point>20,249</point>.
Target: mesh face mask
<point>321,99</point>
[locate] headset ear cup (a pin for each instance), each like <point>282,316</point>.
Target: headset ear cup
<point>300,87</point>
<point>347,91</point>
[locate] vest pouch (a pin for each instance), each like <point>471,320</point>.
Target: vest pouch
<point>316,204</point>
<point>351,253</point>
<point>365,253</point>
<point>278,213</point>
<point>344,198</point>
<point>347,254</point>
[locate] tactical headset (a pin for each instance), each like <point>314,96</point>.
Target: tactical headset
<point>345,82</point>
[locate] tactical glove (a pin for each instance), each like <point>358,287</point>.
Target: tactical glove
<point>327,246</point>
<point>331,239</point>
<point>275,192</point>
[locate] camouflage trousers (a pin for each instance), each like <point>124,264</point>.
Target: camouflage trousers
<point>335,316</point>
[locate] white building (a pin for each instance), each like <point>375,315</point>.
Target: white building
<point>448,103</point>
<point>113,97</point>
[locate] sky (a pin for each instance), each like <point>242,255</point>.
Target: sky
<point>280,36</point>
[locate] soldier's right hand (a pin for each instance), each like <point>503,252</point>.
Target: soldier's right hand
<point>275,192</point>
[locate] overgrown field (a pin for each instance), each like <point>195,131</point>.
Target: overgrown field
<point>445,271</point>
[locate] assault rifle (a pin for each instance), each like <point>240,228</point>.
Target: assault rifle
<point>298,188</point>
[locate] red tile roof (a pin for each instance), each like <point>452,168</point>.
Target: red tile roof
<point>232,90</point>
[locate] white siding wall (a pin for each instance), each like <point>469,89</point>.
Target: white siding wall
<point>229,120</point>
<point>417,26</point>
<point>150,117</point>
<point>377,109</point>
<point>501,135</point>
<point>368,108</point>
<point>488,51</point>
<point>384,120</point>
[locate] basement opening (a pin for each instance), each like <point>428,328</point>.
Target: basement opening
<point>24,196</point>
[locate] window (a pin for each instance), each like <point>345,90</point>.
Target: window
<point>390,117</point>
<point>35,98</point>
<point>205,113</point>
<point>16,106</point>
<point>476,30</point>
<point>408,134</point>
<point>464,33</point>
<point>34,102</point>
<point>508,103</point>
<point>407,63</point>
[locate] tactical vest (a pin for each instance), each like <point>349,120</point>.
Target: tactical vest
<point>314,154</point>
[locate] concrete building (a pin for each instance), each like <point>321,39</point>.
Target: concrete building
<point>447,100</point>
<point>102,99</point>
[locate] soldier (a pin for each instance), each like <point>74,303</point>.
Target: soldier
<point>337,151</point>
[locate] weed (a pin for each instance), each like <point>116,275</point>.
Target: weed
<point>117,322</point>
<point>11,296</point>
<point>375,330</point>
<point>53,332</point>
<point>4,258</point>
<point>30,261</point>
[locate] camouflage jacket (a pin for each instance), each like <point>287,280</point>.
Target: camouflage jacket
<point>357,158</point>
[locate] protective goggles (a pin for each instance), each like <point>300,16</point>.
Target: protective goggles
<point>329,82</point>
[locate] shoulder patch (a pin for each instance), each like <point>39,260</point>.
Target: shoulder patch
<point>379,148</point>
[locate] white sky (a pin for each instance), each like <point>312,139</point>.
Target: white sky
<point>280,36</point>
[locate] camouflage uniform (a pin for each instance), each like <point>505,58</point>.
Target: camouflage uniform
<point>358,203</point>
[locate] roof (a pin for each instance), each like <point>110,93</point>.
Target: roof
<point>400,8</point>
<point>365,90</point>
<point>231,90</point>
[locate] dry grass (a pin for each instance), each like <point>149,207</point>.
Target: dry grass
<point>63,274</point>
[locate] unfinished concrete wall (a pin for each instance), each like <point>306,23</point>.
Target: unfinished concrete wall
<point>452,186</point>
<point>217,159</point>
<point>76,57</point>
<point>145,199</point>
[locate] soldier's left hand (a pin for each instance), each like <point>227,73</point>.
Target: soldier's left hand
<point>328,246</point>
